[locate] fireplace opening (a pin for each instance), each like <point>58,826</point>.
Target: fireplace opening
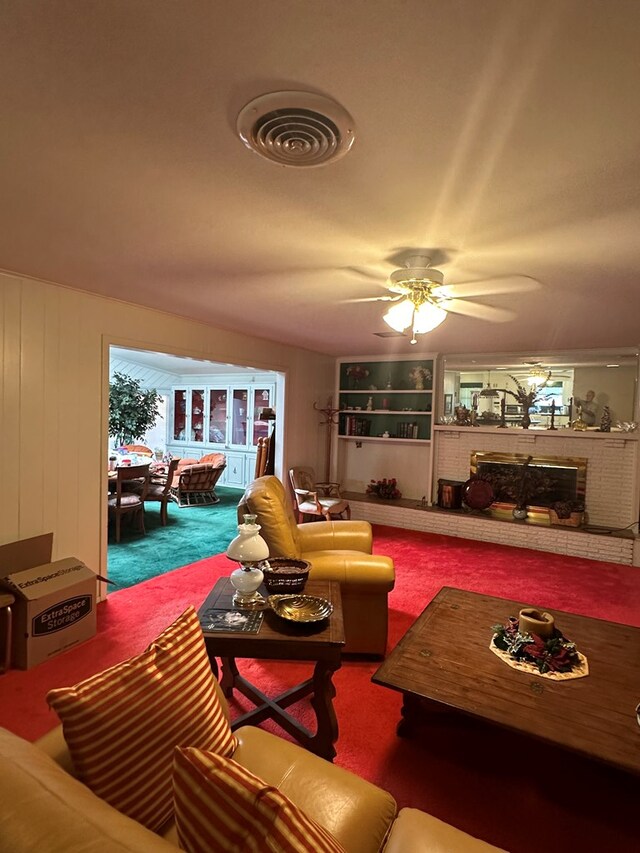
<point>564,477</point>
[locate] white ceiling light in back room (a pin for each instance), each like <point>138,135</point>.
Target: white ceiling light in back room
<point>299,129</point>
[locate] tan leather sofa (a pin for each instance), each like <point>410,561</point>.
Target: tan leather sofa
<point>43,807</point>
<point>337,550</point>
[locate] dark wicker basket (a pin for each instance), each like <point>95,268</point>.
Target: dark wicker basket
<point>286,574</point>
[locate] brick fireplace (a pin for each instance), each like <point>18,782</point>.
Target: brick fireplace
<point>610,491</point>
<point>610,460</point>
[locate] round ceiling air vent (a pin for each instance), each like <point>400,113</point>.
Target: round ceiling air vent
<point>296,128</point>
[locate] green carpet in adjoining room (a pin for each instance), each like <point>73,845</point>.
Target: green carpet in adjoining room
<point>191,534</point>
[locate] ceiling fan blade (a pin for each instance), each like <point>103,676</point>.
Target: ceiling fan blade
<point>374,273</point>
<point>489,286</point>
<point>388,298</point>
<point>480,312</point>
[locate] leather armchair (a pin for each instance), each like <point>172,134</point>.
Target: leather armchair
<point>337,550</point>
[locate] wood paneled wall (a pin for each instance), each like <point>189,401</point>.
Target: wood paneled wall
<point>54,344</point>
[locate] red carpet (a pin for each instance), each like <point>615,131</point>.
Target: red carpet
<point>489,782</point>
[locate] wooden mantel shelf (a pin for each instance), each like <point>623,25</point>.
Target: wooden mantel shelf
<point>561,432</point>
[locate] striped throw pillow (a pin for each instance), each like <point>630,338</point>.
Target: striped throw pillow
<point>122,725</point>
<point>221,806</point>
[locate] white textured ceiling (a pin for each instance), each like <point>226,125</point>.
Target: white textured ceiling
<point>503,133</point>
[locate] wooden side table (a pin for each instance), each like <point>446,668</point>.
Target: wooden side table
<point>279,639</point>
<point>6,602</point>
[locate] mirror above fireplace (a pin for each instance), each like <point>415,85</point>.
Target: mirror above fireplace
<point>591,379</point>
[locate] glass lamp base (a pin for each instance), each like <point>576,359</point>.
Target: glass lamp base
<point>246,581</point>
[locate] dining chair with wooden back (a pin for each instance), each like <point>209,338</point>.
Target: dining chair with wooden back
<point>262,453</point>
<point>123,502</point>
<point>159,490</point>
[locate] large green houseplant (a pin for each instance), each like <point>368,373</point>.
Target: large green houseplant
<point>132,410</point>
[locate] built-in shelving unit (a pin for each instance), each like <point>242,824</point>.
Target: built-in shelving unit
<point>385,421</point>
<point>386,399</point>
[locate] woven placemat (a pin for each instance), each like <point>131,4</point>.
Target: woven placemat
<point>579,670</point>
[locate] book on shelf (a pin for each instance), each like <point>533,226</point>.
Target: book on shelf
<point>354,425</point>
<point>407,429</point>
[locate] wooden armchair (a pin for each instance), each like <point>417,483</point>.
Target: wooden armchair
<point>316,499</point>
<point>194,485</point>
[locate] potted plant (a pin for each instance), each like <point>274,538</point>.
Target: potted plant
<point>132,410</point>
<point>526,396</point>
<point>386,489</point>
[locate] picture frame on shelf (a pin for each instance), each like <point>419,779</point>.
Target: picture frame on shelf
<point>448,404</point>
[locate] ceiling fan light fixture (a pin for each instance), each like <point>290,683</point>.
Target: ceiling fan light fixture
<point>417,271</point>
<point>400,315</point>
<point>427,317</point>
<point>421,317</point>
<point>537,375</point>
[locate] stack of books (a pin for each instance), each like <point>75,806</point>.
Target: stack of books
<point>354,425</point>
<point>407,430</point>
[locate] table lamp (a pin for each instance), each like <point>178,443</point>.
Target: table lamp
<point>249,549</point>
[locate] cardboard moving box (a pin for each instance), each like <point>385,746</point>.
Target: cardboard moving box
<point>55,605</point>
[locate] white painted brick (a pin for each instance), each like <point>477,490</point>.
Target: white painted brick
<point>554,540</point>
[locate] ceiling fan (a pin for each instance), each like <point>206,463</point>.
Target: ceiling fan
<point>536,373</point>
<point>422,299</point>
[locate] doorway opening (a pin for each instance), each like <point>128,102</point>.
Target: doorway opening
<point>206,409</point>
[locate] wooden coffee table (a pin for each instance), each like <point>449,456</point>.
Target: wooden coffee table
<point>279,639</point>
<point>444,662</point>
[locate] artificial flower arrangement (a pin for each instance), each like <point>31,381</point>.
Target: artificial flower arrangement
<point>420,375</point>
<point>357,372</point>
<point>556,654</point>
<point>384,489</point>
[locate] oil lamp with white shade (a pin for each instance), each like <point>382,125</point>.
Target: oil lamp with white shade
<point>250,550</point>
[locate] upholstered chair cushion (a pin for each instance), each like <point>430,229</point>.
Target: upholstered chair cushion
<point>221,806</point>
<point>45,809</point>
<point>125,500</point>
<point>122,725</point>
